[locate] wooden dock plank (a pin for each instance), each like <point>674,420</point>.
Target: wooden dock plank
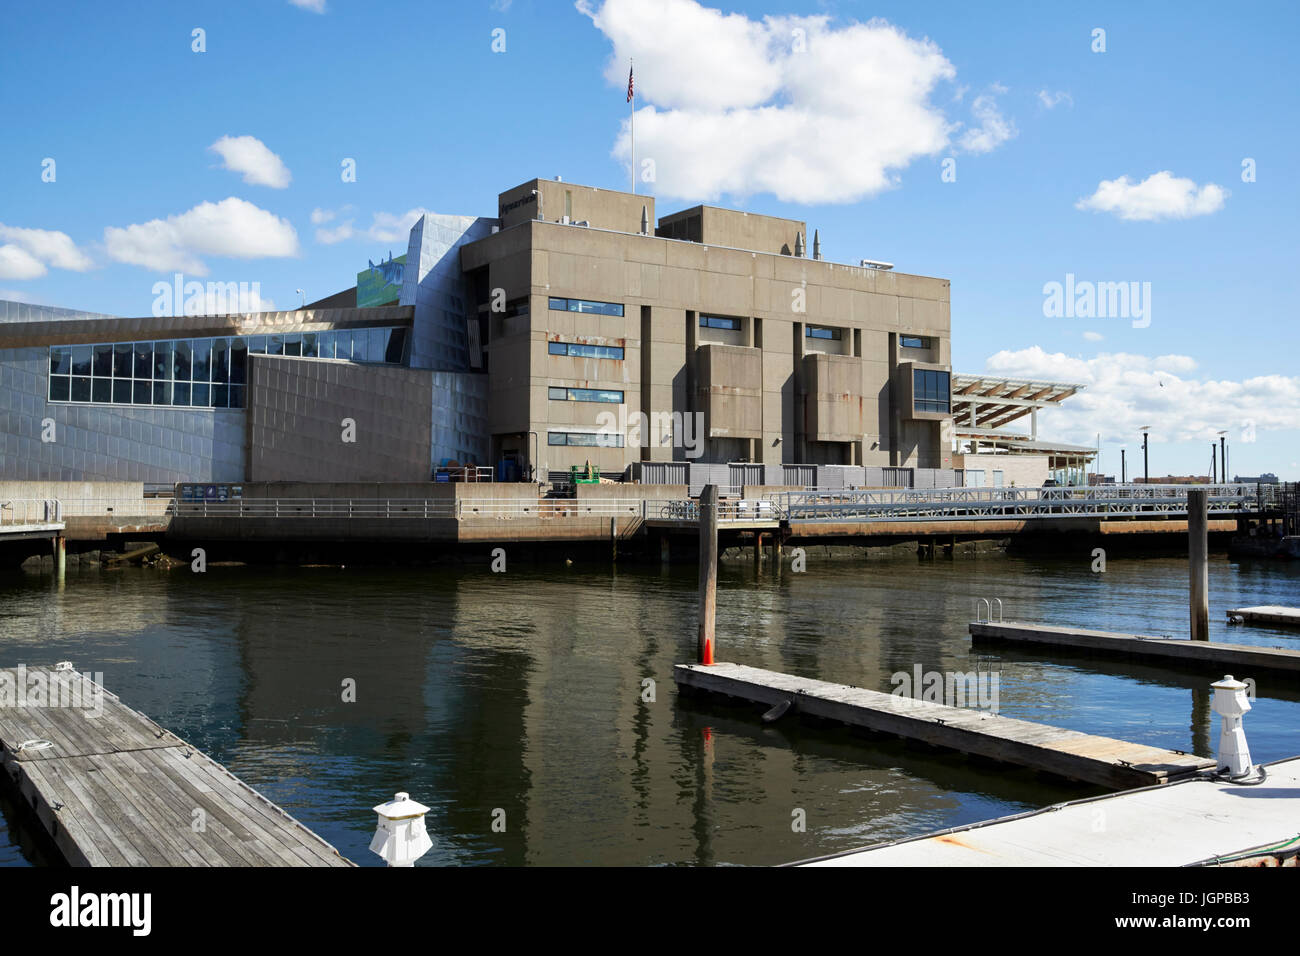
<point>1184,823</point>
<point>1268,614</point>
<point>1069,753</point>
<point>1218,658</point>
<point>114,788</point>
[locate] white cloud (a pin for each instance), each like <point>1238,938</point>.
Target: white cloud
<point>1052,100</point>
<point>26,253</point>
<point>786,105</point>
<point>18,295</point>
<point>251,157</point>
<point>17,263</point>
<point>233,227</point>
<point>1126,391</point>
<point>1093,336</point>
<point>1159,196</point>
<point>384,226</point>
<point>315,6</point>
<point>994,129</point>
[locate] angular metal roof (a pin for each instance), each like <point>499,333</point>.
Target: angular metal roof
<point>995,402</point>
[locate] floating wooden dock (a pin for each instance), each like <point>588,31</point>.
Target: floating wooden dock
<point>1268,614</point>
<point>1199,821</point>
<point>113,788</point>
<point>1242,660</point>
<point>1068,753</point>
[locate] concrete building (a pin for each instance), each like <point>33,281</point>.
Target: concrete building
<point>571,328</point>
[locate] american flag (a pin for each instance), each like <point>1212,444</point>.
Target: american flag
<point>629,84</point>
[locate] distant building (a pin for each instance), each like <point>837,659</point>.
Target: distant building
<point>1268,478</point>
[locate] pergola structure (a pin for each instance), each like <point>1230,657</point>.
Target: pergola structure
<point>983,405</point>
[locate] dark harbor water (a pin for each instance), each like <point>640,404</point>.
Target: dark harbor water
<point>524,692</point>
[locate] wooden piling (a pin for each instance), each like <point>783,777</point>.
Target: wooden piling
<point>1198,548</point>
<point>708,572</point>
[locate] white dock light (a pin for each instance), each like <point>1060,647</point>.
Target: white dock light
<point>1230,703</point>
<point>400,837</point>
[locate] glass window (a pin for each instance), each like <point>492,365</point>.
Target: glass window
<point>181,361</point>
<point>143,394</point>
<point>378,344</point>
<point>275,345</point>
<point>220,360</point>
<point>144,360</point>
<point>396,346</point>
<point>220,396</point>
<point>914,342</point>
<point>81,360</point>
<point>162,360</point>
<point>181,393</point>
<point>585,395</point>
<point>61,360</point>
<point>238,361</point>
<point>80,388</point>
<point>123,360</point>
<point>122,391</point>
<point>201,360</point>
<point>257,344</point>
<point>162,393</point>
<point>822,332</point>
<point>199,394</point>
<point>60,386</point>
<point>237,396</point>
<point>930,391</point>
<point>293,344</point>
<point>325,344</point>
<point>719,322</point>
<point>102,363</point>
<point>101,391</point>
<point>585,305</point>
<point>343,343</point>
<point>310,346</point>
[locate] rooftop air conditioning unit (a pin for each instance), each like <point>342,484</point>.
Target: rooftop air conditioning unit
<point>583,222</point>
<point>873,264</point>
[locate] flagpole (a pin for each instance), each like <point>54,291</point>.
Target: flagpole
<point>632,121</point>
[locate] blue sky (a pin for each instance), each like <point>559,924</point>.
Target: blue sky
<point>1034,119</point>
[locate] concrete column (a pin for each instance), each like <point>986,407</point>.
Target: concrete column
<point>1198,547</point>
<point>60,557</point>
<point>708,572</point>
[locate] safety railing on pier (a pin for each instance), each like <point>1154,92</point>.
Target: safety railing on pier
<point>469,509</point>
<point>30,513</point>
<point>967,503</point>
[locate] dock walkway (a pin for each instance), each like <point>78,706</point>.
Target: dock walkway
<point>1104,761</point>
<point>113,788</point>
<point>1267,614</point>
<point>1242,660</point>
<point>1197,821</point>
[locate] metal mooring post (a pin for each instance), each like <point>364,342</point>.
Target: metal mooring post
<point>708,571</point>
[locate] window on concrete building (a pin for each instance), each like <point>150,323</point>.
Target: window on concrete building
<point>997,479</point>
<point>585,439</point>
<point>719,322</point>
<point>823,332</point>
<point>914,342</point>
<point>585,305</point>
<point>575,350</point>
<point>561,394</point>
<point>974,477</point>
<point>930,391</point>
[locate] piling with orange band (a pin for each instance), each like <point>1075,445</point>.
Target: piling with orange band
<point>708,571</point>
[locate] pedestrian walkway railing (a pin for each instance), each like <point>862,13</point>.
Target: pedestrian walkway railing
<point>30,513</point>
<point>967,503</point>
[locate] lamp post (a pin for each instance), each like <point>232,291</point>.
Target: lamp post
<point>1123,466</point>
<point>1146,463</point>
<point>1223,456</point>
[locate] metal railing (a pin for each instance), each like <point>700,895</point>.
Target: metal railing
<point>121,507</point>
<point>30,512</point>
<point>968,503</point>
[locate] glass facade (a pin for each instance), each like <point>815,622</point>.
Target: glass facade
<point>204,373</point>
<point>585,305</point>
<point>930,391</point>
<point>558,394</point>
<point>914,342</point>
<point>575,350</point>
<point>719,322</point>
<point>585,439</point>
